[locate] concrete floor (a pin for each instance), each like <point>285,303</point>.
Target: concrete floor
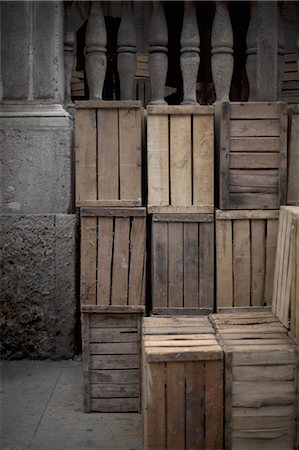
<point>41,409</point>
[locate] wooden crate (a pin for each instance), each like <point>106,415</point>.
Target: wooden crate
<point>111,358</point>
<point>180,158</point>
<point>253,155</point>
<point>286,276</point>
<point>260,381</point>
<point>293,157</point>
<point>182,265</point>
<point>245,257</point>
<point>113,256</point>
<point>182,386</point>
<point>108,153</point>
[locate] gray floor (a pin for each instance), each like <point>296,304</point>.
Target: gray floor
<point>41,409</point>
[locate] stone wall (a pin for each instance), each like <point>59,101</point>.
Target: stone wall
<point>38,226</point>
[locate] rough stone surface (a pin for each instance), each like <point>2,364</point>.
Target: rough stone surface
<point>36,163</point>
<point>38,286</point>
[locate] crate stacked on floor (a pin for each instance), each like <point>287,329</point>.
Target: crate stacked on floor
<point>109,192</point>
<point>180,163</point>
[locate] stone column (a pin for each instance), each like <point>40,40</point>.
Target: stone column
<point>126,58</point>
<point>158,62</point>
<point>267,61</point>
<point>189,53</point>
<point>222,51</point>
<point>69,56</point>
<point>251,42</point>
<point>95,51</point>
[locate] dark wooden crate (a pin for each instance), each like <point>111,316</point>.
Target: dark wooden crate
<point>253,155</point>
<point>108,153</point>
<point>113,256</point>
<point>260,381</point>
<point>182,385</point>
<point>111,358</point>
<point>182,263</point>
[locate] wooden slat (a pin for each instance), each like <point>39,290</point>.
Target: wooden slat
<point>254,161</point>
<point>254,127</point>
<point>88,290</point>
<point>86,157</point>
<point>175,395</point>
<point>128,376</point>
<point>191,265</point>
<point>121,348</point>
<point>179,109</point>
<point>117,391</point>
<point>266,357</point>
<point>241,180</point>
<point>155,401</point>
<point>116,405</point>
<point>113,212</point>
<point>258,244</point>
<point>283,155</point>
<point>253,110</point>
<point>187,210</point>
<point>94,204</point>
<point>86,362</point>
<point>224,263</point>
<point>114,362</point>
<point>137,261</point>
<point>108,154</point>
<point>252,201</point>
<point>271,242</point>
<point>183,217</point>
<point>113,320</point>
<point>105,229</point>
<point>258,393</point>
<point>119,294</point>
<point>206,265</point>
<point>241,262</point>
<point>195,404</point>
<point>264,373</point>
<point>214,404</point>
<point>224,154</point>
<point>160,263</point>
<point>293,160</point>
<point>203,160</point>
<point>158,160</point>
<point>257,214</point>
<point>255,144</point>
<point>180,160</point>
<point>113,335</point>
<point>107,104</point>
<point>175,265</point>
<point>184,354</point>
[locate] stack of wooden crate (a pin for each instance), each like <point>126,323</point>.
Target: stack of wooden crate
<point>180,163</point>
<point>109,193</point>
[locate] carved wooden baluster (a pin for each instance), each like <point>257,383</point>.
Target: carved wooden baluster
<point>251,41</point>
<point>222,51</point>
<point>280,53</point>
<point>189,53</point>
<point>158,61</point>
<point>95,59</point>
<point>69,56</point>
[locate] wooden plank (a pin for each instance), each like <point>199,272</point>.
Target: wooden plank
<point>130,153</point>
<point>228,388</point>
<point>214,404</point>
<point>177,337</point>
<point>113,212</point>
<point>253,180</point>
<point>254,161</point>
<point>184,354</point>
<point>115,320</point>
<point>156,401</point>
<point>104,258</point>
<point>206,265</point>
<point>195,404</point>
<point>254,127</point>
<point>175,398</point>
<point>121,348</point>
<point>181,217</point>
<point>179,109</point>
<point>264,373</point>
<point>158,160</point>
<point>86,362</point>
<point>93,204</point>
<point>160,264</point>
<point>258,393</point>
<point>293,160</point>
<point>114,362</point>
<point>191,265</point>
<point>246,214</point>
<point>108,155</point>
<point>119,391</point>
<point>224,263</point>
<point>255,110</point>
<point>203,160</point>
<point>253,201</point>
<point>271,243</point>
<point>175,265</point>
<point>137,261</point>
<point>115,405</point>
<point>187,210</point>
<point>107,104</point>
<point>182,311</point>
<point>128,376</point>
<point>224,154</point>
<point>119,294</point>
<point>258,247</point>
<point>151,343</point>
<point>88,291</point>
<point>241,262</point>
<point>267,358</point>
<point>283,154</point>
<point>86,155</point>
<point>265,411</point>
<point>255,144</point>
<point>110,309</point>
<point>180,160</point>
<point>98,335</point>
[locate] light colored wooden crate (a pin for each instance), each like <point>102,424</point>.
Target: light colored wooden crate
<point>113,256</point>
<point>182,388</point>
<point>293,157</point>
<point>286,276</point>
<point>252,155</point>
<point>111,359</point>
<point>182,263</point>
<point>180,157</point>
<point>260,381</point>
<point>245,257</point>
<point>108,153</point>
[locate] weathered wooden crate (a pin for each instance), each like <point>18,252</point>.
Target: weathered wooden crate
<point>245,257</point>
<point>108,153</point>
<point>260,381</point>
<point>253,155</point>
<point>113,256</point>
<point>286,276</point>
<point>293,157</point>
<point>180,158</point>
<point>182,263</point>
<point>182,385</point>
<point>111,358</point>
